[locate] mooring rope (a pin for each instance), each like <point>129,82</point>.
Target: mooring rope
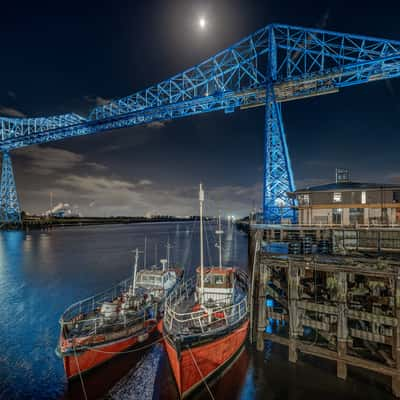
<point>201,375</point>
<point>123,352</point>
<point>80,374</point>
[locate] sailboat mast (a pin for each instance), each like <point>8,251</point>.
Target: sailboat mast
<point>168,252</point>
<point>135,271</point>
<point>145,252</point>
<point>219,233</point>
<point>201,200</point>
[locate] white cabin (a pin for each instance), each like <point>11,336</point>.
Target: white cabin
<point>219,285</point>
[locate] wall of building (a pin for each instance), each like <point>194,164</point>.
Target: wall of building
<point>356,207</point>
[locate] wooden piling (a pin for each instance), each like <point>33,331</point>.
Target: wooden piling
<point>348,299</point>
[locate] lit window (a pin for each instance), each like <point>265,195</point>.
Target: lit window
<point>363,197</point>
<point>304,199</point>
<point>337,197</point>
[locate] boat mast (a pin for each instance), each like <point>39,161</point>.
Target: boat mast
<point>201,200</point>
<point>220,232</point>
<point>168,252</point>
<point>145,252</point>
<point>135,271</point>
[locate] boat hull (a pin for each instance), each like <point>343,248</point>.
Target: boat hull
<point>192,365</point>
<point>84,361</point>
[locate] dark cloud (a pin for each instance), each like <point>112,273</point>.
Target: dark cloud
<point>12,94</point>
<point>50,160</point>
<point>97,100</point>
<point>11,112</point>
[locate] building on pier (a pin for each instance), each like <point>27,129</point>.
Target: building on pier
<point>344,202</point>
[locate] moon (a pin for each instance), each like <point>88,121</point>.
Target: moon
<point>202,23</point>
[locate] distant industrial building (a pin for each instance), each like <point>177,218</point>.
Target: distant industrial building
<point>348,203</point>
<point>62,210</point>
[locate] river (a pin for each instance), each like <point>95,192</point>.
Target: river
<point>41,273</point>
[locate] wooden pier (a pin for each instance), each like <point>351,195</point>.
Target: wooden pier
<point>332,293</point>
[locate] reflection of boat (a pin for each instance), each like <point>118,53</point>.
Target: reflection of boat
<point>205,322</point>
<point>96,329</point>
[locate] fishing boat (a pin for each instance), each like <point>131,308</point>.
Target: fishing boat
<point>100,327</point>
<point>205,321</point>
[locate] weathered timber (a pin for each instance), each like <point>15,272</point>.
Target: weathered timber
<point>341,302</point>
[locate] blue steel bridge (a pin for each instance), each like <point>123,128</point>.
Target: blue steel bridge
<point>278,63</point>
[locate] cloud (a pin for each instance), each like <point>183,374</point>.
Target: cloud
<point>12,94</point>
<point>97,100</point>
<point>156,124</point>
<point>96,166</point>
<point>322,24</point>
<point>145,182</point>
<point>103,195</point>
<point>50,160</point>
<point>92,184</point>
<point>11,112</point>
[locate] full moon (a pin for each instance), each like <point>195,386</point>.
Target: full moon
<point>202,23</point>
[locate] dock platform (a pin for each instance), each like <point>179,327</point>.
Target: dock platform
<point>329,292</point>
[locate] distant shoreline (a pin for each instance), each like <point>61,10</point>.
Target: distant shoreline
<point>45,223</point>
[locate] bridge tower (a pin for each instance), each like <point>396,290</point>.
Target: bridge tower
<point>10,211</point>
<point>278,175</point>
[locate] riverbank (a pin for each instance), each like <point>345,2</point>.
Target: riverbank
<point>45,223</point>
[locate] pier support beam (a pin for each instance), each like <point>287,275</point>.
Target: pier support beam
<point>261,318</point>
<point>293,298</point>
<point>10,211</point>
<point>342,328</point>
<point>278,175</point>
<point>396,340</point>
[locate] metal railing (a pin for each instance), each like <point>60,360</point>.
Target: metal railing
<point>208,318</point>
<point>83,318</point>
<point>92,303</point>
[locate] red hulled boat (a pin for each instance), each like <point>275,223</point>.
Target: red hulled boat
<point>98,328</point>
<point>205,322</point>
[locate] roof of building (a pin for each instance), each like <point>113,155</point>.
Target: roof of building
<point>348,186</point>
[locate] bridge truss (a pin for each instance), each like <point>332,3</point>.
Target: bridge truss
<point>276,64</point>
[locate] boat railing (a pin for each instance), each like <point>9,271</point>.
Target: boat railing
<point>86,328</point>
<point>93,303</point>
<point>209,317</point>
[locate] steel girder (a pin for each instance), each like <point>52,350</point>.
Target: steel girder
<point>278,176</point>
<point>307,62</point>
<point>10,211</point>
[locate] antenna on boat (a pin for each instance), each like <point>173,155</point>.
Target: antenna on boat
<point>201,200</point>
<point>145,252</point>
<point>155,254</point>
<point>219,232</point>
<point>163,263</point>
<point>169,247</point>
<point>136,252</point>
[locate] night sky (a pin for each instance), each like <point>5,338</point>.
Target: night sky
<point>60,57</point>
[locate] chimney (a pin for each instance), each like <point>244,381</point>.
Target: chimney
<point>342,175</point>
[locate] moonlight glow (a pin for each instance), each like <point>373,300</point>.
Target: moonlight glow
<point>202,22</point>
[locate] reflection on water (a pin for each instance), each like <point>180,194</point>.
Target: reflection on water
<point>41,273</point>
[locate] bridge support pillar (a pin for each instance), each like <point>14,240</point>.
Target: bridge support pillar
<point>10,211</point>
<point>278,175</point>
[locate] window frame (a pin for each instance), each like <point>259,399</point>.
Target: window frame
<point>336,196</point>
